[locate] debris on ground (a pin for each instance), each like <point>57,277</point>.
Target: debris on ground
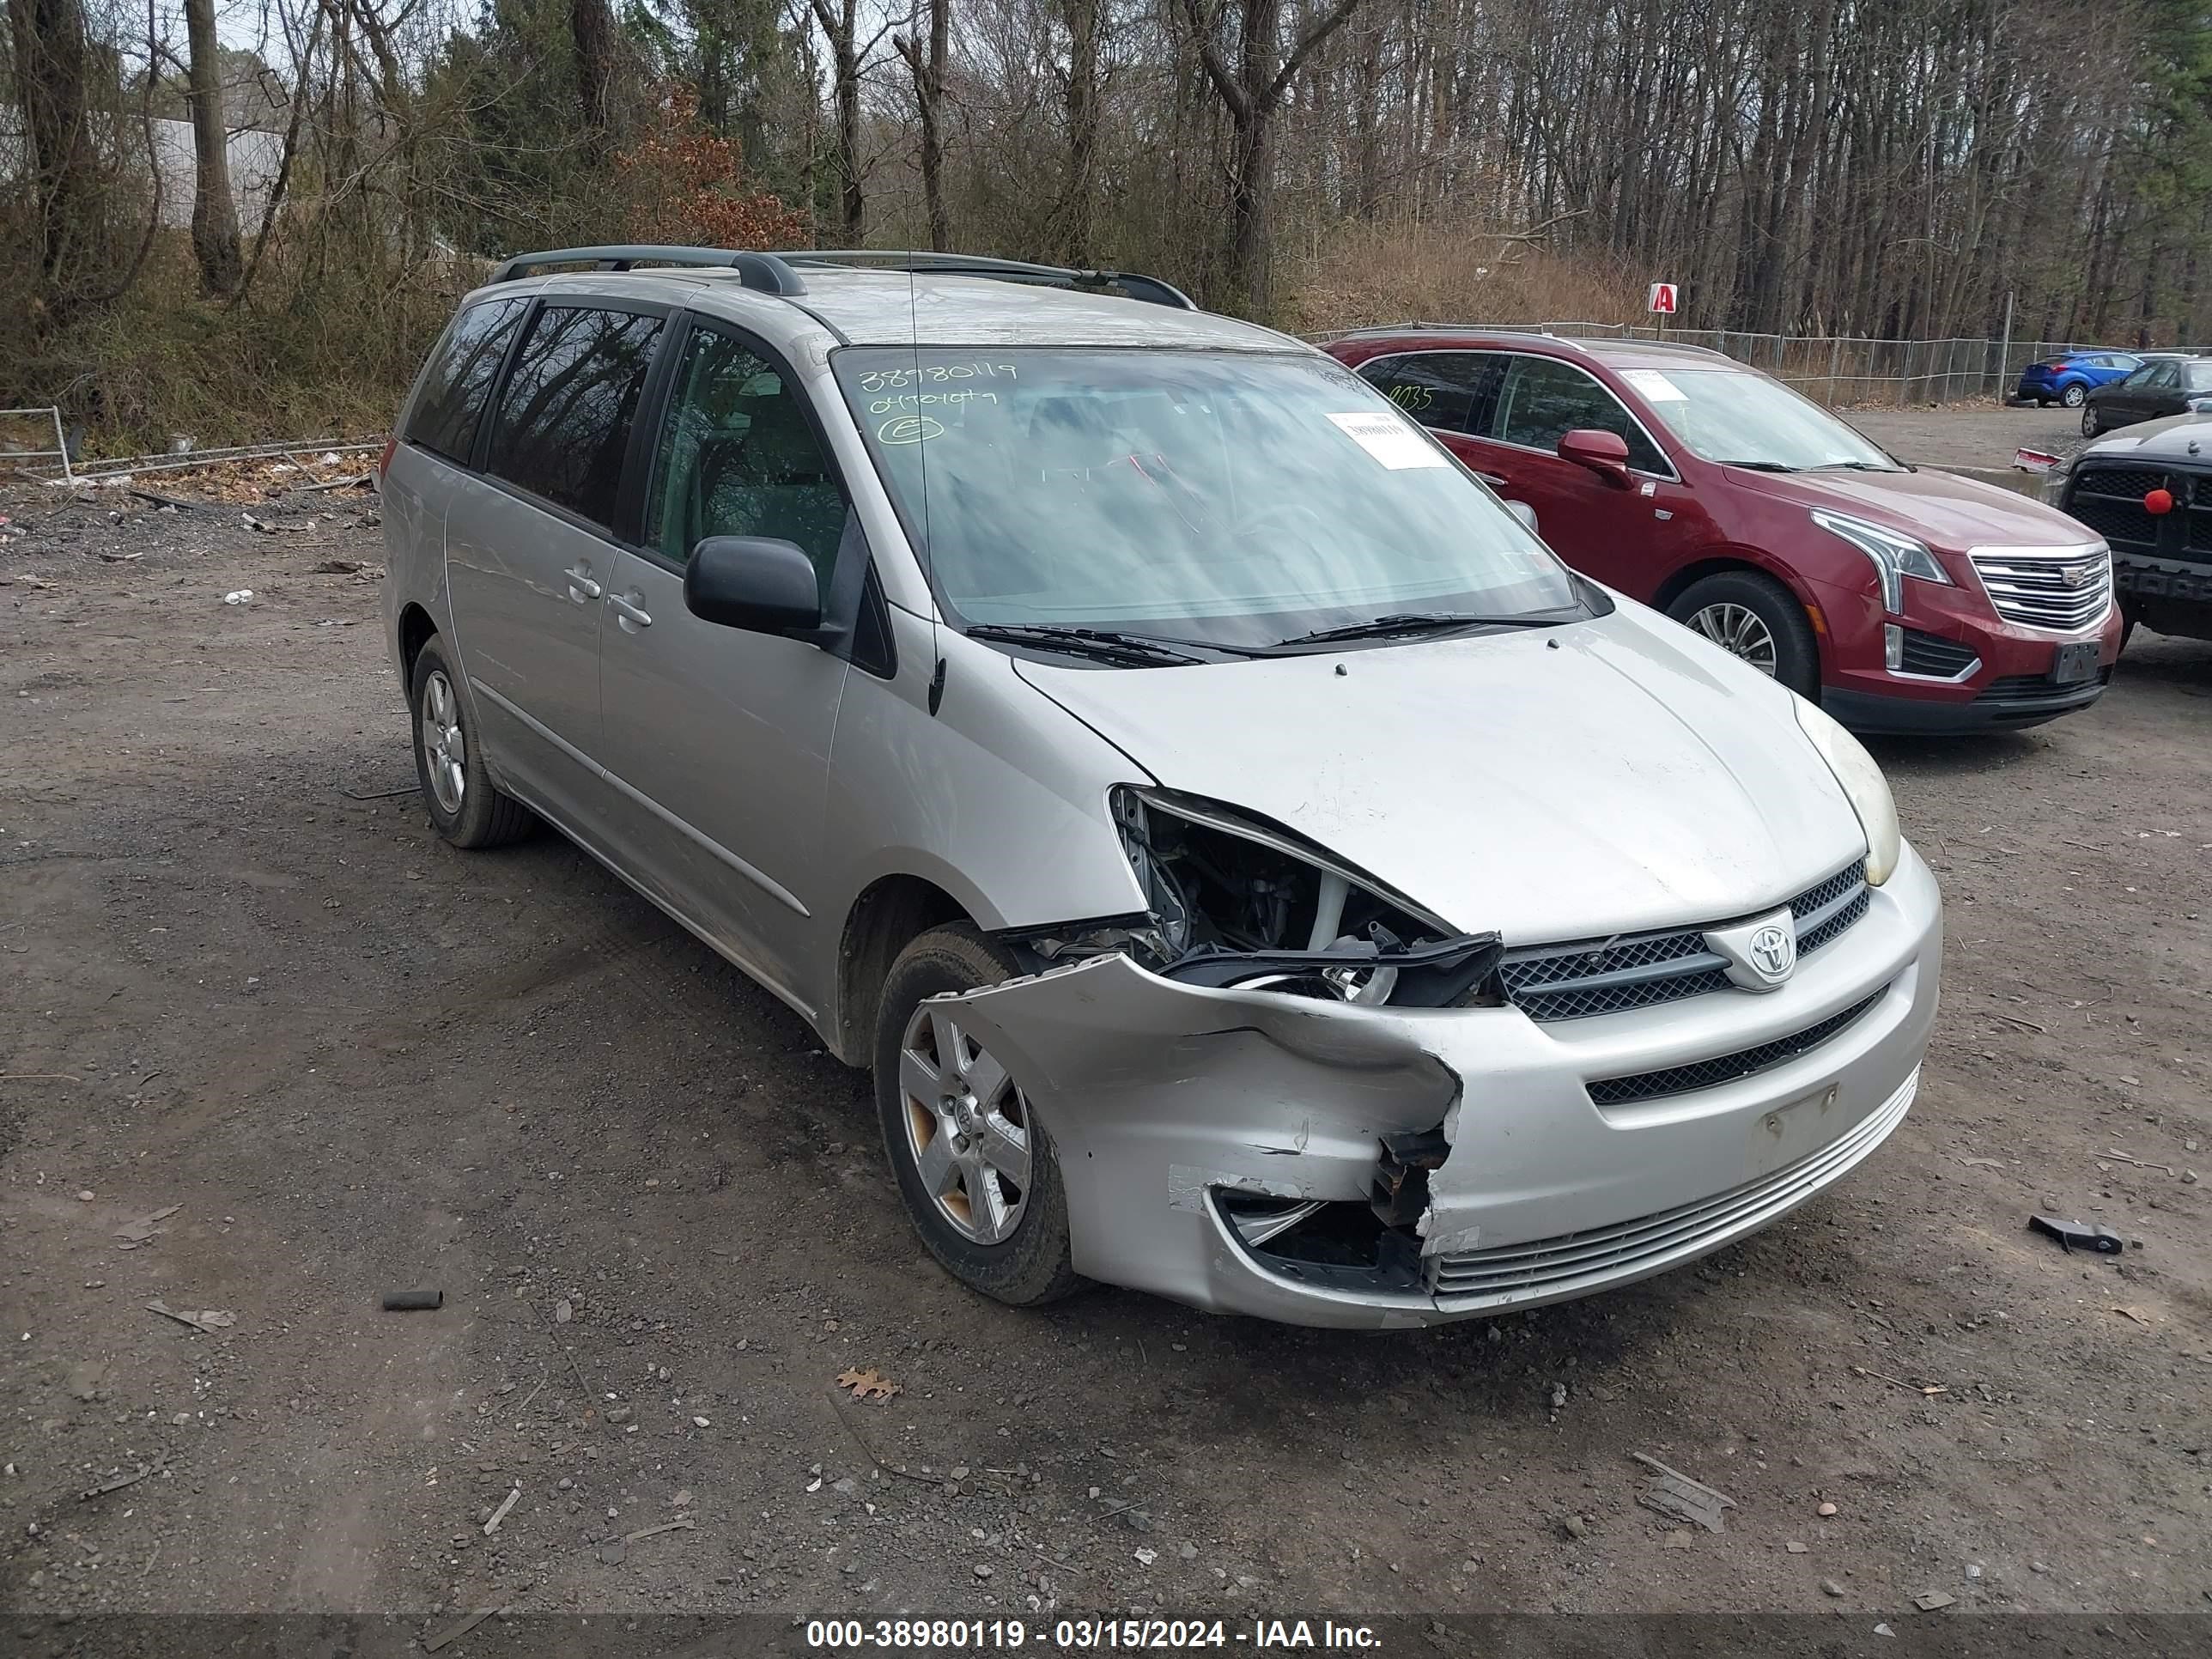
<point>1676,1495</point>
<point>500,1514</point>
<point>1924,1388</point>
<point>1830,1587</point>
<point>454,1633</point>
<point>121,1481</point>
<point>867,1385</point>
<point>213,1319</point>
<point>1931,1600</point>
<point>2077,1236</point>
<point>413,1301</point>
<point>137,1232</point>
<point>2139,1162</point>
<point>239,596</point>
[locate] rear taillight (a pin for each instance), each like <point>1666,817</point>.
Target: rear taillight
<point>384,461</point>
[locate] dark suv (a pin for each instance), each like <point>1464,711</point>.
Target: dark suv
<point>1903,599</point>
<point>2149,493</point>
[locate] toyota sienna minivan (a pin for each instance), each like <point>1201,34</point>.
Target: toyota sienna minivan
<point>1254,869</point>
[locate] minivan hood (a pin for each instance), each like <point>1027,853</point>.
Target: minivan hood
<point>1557,784</point>
<point>1947,512</point>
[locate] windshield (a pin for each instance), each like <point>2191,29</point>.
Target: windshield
<point>1232,499</point>
<point>1739,418</point>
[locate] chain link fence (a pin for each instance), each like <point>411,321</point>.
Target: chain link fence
<point>1848,371</point>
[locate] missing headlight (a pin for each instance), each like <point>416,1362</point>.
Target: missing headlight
<point>1245,905</point>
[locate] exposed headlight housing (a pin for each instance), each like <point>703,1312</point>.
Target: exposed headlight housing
<point>1863,786</point>
<point>1894,557</point>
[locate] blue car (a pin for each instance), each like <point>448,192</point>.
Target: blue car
<point>2067,377</point>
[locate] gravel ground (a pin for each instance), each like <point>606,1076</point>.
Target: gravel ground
<point>271,1049</point>
<point>1969,435</point>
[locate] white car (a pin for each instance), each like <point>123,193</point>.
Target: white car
<point>1256,869</point>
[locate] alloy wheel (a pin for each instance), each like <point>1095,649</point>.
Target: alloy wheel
<point>1737,630</point>
<point>967,1124</point>
<point>444,750</point>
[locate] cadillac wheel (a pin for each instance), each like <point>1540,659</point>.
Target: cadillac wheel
<point>1754,617</point>
<point>974,1164</point>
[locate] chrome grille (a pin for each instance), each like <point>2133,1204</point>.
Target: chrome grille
<point>2062,589</point>
<point>1605,976</point>
<point>1559,1265</point>
<point>1723,1068</point>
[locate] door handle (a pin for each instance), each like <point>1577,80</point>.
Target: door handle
<point>629,613</point>
<point>1494,480</point>
<point>582,588</point>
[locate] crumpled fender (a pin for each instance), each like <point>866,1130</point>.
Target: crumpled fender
<point>1271,1093</point>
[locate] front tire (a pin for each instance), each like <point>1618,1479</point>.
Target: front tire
<point>1757,619</point>
<point>2091,426</point>
<point>2073,395</point>
<point>466,807</point>
<point>975,1165</point>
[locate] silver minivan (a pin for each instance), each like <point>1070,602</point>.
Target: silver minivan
<point>1254,869</point>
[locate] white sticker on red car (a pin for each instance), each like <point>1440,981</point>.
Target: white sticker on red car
<point>1655,386</point>
<point>1389,440</point>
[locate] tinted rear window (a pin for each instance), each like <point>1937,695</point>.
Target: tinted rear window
<point>445,417</point>
<point>564,419</point>
<point>1437,388</point>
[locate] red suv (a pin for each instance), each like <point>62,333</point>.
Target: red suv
<point>1904,599</point>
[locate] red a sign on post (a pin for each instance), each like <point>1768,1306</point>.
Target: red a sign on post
<point>1662,298</point>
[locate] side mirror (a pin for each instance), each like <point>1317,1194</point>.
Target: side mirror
<point>1526,514</point>
<point>1605,453</point>
<point>752,582</point>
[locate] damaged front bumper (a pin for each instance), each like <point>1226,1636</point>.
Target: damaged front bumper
<point>1204,1133</point>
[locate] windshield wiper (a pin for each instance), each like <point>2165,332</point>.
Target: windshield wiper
<point>1857,466</point>
<point>1413,621</point>
<point>1762,466</point>
<point>1102,643</point>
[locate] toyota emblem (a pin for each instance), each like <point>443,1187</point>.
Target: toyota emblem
<point>1773,951</point>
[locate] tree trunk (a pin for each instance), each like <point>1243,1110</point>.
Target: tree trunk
<point>49,46</point>
<point>1253,93</point>
<point>1079,204</point>
<point>841,29</point>
<point>215,211</point>
<point>928,65</point>
<point>592,27</point>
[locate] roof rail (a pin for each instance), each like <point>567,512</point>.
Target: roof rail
<point>1151,289</point>
<point>768,272</point>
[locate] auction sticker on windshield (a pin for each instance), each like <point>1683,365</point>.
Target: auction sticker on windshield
<point>1389,440</point>
<point>1655,386</point>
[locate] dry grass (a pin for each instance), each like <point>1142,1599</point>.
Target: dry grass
<point>1391,273</point>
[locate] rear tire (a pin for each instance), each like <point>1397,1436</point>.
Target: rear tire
<point>466,807</point>
<point>2073,395</point>
<point>1724,609</point>
<point>1031,1264</point>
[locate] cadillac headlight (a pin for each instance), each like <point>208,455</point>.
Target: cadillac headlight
<point>1864,786</point>
<point>1893,556</point>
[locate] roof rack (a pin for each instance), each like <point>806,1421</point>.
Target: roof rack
<point>1151,289</point>
<point>773,273</point>
<point>765,271</point>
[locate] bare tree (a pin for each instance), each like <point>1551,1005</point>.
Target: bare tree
<point>215,211</point>
<point>927,66</point>
<point>1253,89</point>
<point>841,27</point>
<point>591,28</point>
<point>47,38</point>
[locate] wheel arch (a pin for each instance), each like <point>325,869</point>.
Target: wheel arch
<point>890,913</point>
<point>417,629</point>
<point>1748,561</point>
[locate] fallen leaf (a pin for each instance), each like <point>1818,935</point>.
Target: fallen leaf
<point>867,1385</point>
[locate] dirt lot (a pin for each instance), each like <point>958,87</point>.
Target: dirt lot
<point>1969,435</point>
<point>336,1058</point>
